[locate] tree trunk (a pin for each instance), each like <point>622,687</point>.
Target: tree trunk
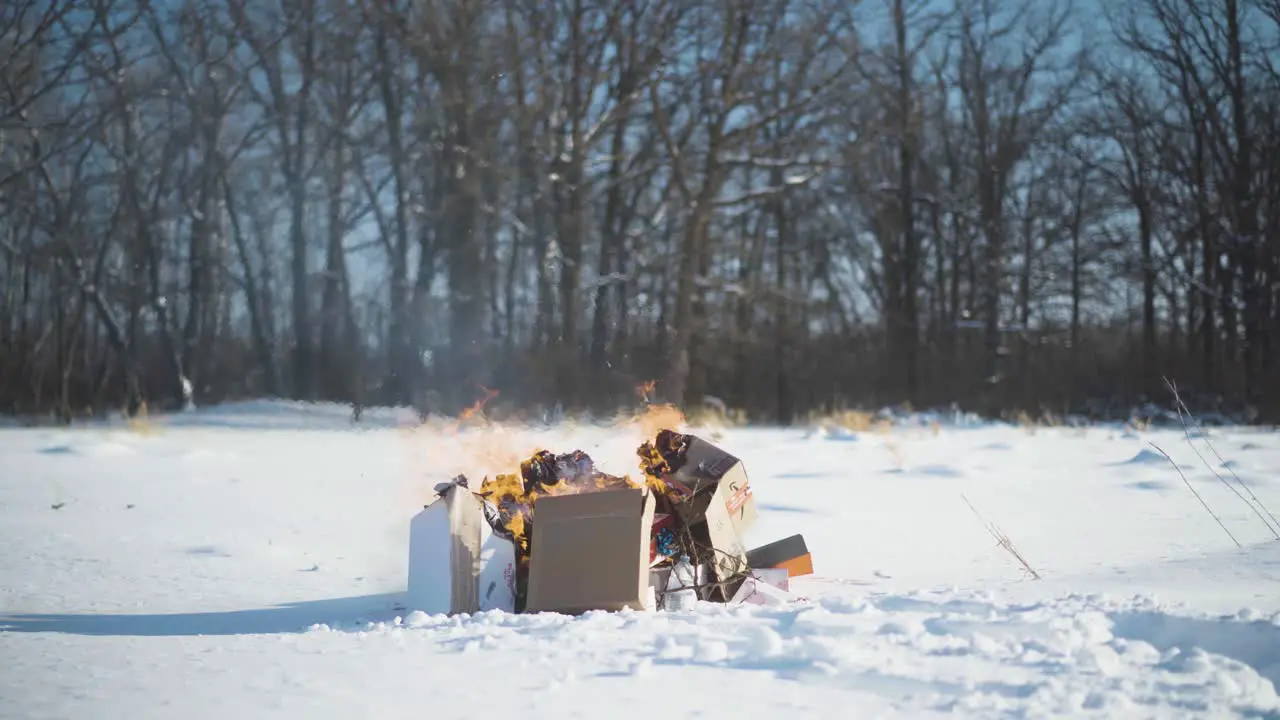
<point>304,380</point>
<point>1150,373</point>
<point>612,233</point>
<point>257,308</point>
<point>683,314</point>
<point>400,360</point>
<point>335,382</point>
<point>782,315</point>
<point>909,319</point>
<point>464,264</point>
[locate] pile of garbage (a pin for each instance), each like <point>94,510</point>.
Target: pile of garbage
<point>562,536</point>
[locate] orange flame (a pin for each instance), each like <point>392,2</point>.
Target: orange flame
<point>478,407</point>
<point>653,417</point>
<point>515,495</point>
<point>658,417</point>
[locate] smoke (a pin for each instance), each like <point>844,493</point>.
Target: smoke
<point>480,448</point>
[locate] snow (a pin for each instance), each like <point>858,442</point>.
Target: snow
<point>249,560</point>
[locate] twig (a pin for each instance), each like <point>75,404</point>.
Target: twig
<point>698,557</point>
<point>1002,540</point>
<point>1256,506</point>
<point>1193,492</point>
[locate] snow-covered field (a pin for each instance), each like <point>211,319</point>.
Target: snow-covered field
<point>249,562</point>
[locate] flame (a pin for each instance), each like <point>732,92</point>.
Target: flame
<point>658,417</point>
<point>660,459</point>
<point>478,407</point>
<point>506,492</point>
<point>515,495</point>
<point>645,389</point>
<point>653,417</point>
<point>469,444</point>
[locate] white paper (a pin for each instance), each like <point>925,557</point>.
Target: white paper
<point>756,591</point>
<point>777,577</point>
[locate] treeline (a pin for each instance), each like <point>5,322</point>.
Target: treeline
<point>782,205</point>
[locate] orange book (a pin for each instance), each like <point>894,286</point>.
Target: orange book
<point>791,553</point>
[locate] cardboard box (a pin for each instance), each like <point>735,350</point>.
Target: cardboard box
<point>456,563</point>
<point>721,506</point>
<point>789,553</point>
<point>590,551</point>
<point>497,577</point>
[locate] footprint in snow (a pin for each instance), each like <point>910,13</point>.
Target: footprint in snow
<point>938,471</point>
<point>207,551</point>
<point>1153,485</point>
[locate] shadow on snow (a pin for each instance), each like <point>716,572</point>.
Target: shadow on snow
<point>285,618</point>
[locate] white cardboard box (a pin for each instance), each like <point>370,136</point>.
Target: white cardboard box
<point>456,562</point>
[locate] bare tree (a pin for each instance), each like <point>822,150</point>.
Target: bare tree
<point>1009,104</point>
<point>785,207</point>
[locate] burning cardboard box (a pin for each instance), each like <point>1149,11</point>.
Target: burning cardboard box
<point>561,536</point>
<point>591,551</point>
<point>708,490</point>
<point>511,501</point>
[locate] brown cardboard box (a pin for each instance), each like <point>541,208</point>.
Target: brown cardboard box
<point>590,551</point>
<point>721,507</point>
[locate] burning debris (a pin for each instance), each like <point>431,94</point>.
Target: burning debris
<point>689,513</point>
<point>661,459</point>
<point>513,496</point>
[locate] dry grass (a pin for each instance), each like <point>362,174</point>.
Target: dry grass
<point>1025,421</point>
<point>1003,541</point>
<point>1256,505</point>
<point>141,422</point>
<point>1192,488</point>
<point>714,415</point>
<point>896,453</point>
<point>1138,424</point>
<point>1033,423</point>
<point>858,421</point>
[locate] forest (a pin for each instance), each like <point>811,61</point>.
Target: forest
<point>778,207</point>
